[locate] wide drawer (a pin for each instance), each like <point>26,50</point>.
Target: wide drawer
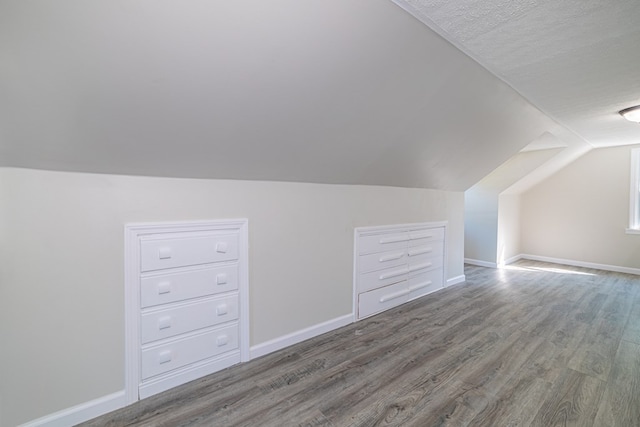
<point>429,249</point>
<point>425,283</point>
<point>382,242</point>
<point>175,354</point>
<point>380,278</point>
<point>158,254</point>
<point>382,299</point>
<point>167,323</point>
<point>422,263</point>
<point>381,260</point>
<point>424,236</point>
<point>171,287</point>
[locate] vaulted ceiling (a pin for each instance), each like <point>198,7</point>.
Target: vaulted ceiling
<point>330,91</point>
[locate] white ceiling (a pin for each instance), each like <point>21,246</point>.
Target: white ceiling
<point>576,60</point>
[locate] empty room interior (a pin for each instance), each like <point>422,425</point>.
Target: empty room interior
<point>321,212</point>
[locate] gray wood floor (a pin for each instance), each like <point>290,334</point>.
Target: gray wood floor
<point>532,345</point>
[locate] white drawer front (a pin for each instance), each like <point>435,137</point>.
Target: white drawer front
<point>376,279</point>
<point>429,249</point>
<point>186,251</point>
<point>382,260</point>
<point>422,263</point>
<point>421,237</point>
<point>425,283</point>
<point>180,286</point>
<point>165,358</point>
<point>179,320</point>
<point>382,242</point>
<point>382,299</point>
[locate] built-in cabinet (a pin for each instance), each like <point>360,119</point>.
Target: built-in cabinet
<point>395,264</point>
<point>188,304</point>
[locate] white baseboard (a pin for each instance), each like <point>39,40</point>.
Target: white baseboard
<point>510,260</point>
<point>299,336</point>
<point>480,263</point>
<point>455,280</point>
<point>615,268</point>
<point>81,413</point>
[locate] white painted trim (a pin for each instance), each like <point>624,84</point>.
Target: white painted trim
<point>301,335</point>
<point>354,269</point>
<point>480,263</point>
<point>510,260</point>
<point>606,267</point>
<point>455,280</point>
<point>132,234</point>
<point>243,287</point>
<point>81,413</point>
<point>131,313</point>
<point>634,193</point>
<point>400,227</point>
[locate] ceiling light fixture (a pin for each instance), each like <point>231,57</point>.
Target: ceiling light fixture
<point>632,114</point>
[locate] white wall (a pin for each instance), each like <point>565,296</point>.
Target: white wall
<point>4,295</point>
<point>581,212</point>
<point>221,89</point>
<point>487,225</point>
<point>508,227</point>
<point>62,296</point>
<point>480,224</point>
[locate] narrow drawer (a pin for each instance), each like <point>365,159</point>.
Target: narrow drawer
<point>186,318</point>
<point>381,260</point>
<point>421,237</point>
<point>422,263</point>
<point>382,242</point>
<point>425,283</point>
<point>382,299</point>
<point>176,354</point>
<point>173,287</point>
<point>377,279</point>
<point>185,251</point>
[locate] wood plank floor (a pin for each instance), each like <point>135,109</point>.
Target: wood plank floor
<point>535,344</point>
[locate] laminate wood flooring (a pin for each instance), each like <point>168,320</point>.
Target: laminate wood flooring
<point>535,344</point>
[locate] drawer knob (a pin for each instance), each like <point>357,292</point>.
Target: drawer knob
<point>391,257</point>
<point>164,288</point>
<point>420,266</point>
<point>420,251</point>
<point>164,322</point>
<point>164,357</point>
<point>164,253</point>
<point>395,239</point>
<point>221,279</point>
<point>221,247</point>
<point>393,295</point>
<point>394,273</point>
<point>222,309</point>
<point>222,340</point>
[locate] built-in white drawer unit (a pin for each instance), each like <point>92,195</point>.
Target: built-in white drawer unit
<point>190,315</point>
<point>395,264</point>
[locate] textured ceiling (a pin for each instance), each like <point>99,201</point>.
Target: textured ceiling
<point>576,60</point>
